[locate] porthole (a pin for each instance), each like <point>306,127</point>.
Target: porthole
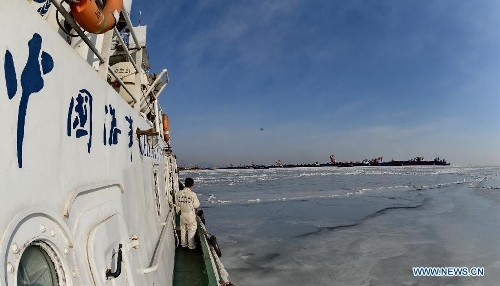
<point>38,266</point>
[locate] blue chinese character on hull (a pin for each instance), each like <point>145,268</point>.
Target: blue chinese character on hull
<point>110,137</point>
<point>42,10</point>
<point>130,134</point>
<point>31,82</point>
<point>80,116</point>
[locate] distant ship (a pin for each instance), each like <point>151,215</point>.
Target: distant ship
<point>417,161</point>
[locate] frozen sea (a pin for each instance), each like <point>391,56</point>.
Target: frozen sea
<point>353,226</point>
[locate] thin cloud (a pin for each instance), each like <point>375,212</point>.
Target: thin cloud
<point>353,78</point>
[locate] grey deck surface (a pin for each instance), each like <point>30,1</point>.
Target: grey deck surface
<point>189,269</point>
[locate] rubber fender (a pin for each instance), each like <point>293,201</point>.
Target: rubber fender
<point>213,242</point>
<point>200,214</point>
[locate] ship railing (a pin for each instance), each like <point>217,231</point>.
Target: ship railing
<point>129,24</point>
<point>160,245</point>
<point>217,274</point>
<point>143,99</point>
<point>124,46</point>
<point>91,46</point>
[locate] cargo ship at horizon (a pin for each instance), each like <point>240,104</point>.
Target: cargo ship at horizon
<point>417,161</point>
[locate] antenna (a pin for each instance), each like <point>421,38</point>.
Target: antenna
<point>140,14</point>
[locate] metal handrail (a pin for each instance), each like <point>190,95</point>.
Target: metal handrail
<point>129,23</point>
<point>210,257</point>
<point>160,244</point>
<point>86,190</point>
<point>75,26</point>
<point>127,52</point>
<point>158,78</point>
<point>91,46</point>
<point>122,84</point>
<point>151,87</point>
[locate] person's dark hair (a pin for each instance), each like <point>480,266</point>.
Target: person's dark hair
<point>189,182</point>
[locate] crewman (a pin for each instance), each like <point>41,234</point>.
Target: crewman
<point>186,204</point>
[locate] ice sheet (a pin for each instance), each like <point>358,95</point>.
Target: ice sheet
<point>374,238</point>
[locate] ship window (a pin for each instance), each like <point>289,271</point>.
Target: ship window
<point>37,267</point>
<point>157,192</point>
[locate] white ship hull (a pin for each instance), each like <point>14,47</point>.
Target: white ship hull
<point>76,180</point>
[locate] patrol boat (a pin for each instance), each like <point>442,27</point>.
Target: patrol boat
<point>87,172</point>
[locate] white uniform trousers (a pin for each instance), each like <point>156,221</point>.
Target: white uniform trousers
<point>188,230</point>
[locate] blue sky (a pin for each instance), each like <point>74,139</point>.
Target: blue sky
<point>299,80</point>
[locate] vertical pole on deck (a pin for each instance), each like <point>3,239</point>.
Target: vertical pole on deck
<point>105,53</point>
<point>137,88</point>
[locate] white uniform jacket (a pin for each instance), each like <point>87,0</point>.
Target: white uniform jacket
<point>187,201</point>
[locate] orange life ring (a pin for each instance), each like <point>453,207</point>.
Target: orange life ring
<point>94,20</point>
<point>166,128</point>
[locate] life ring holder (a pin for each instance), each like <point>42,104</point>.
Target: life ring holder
<point>93,19</point>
